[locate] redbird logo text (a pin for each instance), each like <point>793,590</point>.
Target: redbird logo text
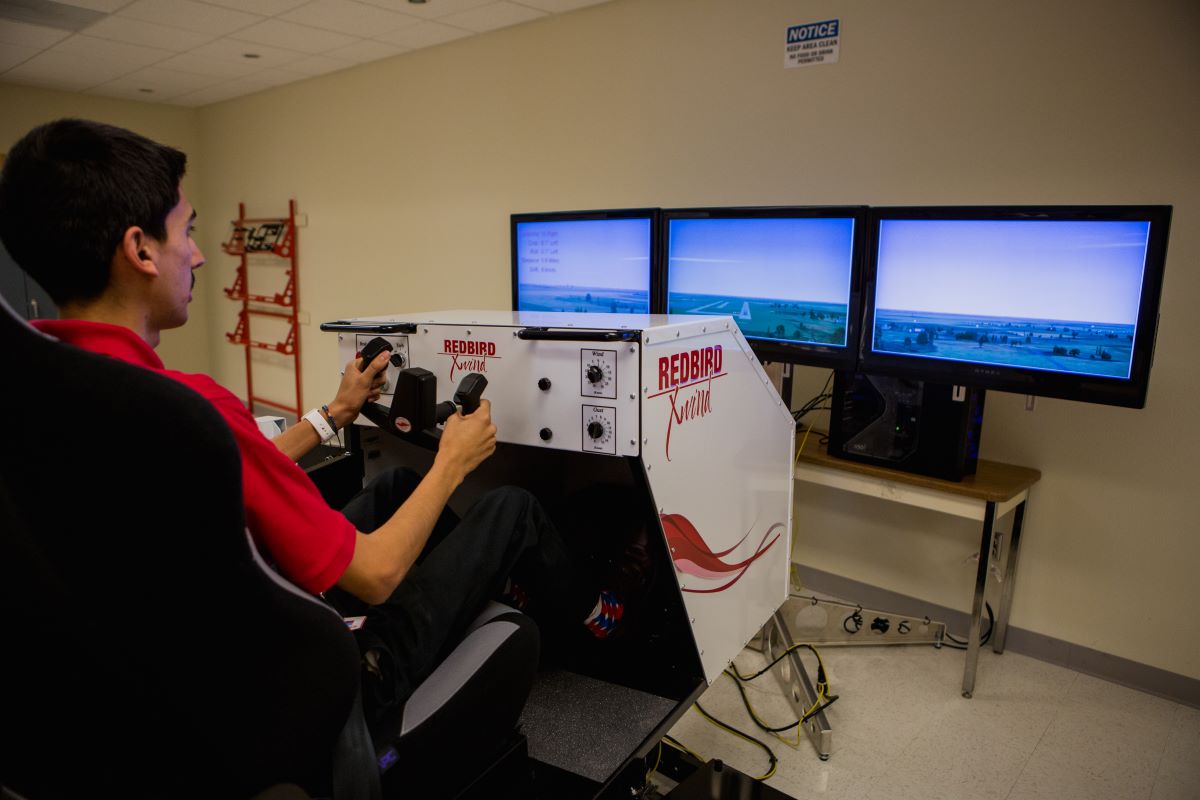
<point>686,378</point>
<point>468,355</point>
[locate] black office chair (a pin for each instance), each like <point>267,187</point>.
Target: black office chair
<point>147,650</point>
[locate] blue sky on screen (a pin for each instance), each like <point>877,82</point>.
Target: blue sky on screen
<point>603,253</point>
<point>1087,271</point>
<point>779,259</point>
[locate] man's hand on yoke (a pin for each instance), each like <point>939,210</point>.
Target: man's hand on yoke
<point>358,388</point>
<point>467,441</point>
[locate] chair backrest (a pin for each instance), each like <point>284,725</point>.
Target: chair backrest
<point>145,651</point>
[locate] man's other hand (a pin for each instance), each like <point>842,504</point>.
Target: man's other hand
<point>467,441</point>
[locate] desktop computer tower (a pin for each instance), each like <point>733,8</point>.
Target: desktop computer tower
<point>906,424</point>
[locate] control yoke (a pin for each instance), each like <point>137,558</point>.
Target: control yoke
<point>415,413</point>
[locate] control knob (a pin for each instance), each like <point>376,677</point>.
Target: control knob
<point>595,374</point>
<point>595,430</point>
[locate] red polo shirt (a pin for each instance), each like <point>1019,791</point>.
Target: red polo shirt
<point>309,542</point>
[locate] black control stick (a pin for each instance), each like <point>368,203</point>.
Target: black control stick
<point>373,349</point>
<point>466,399</point>
<point>375,412</point>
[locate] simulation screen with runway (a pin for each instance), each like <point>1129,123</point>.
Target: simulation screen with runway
<point>581,266</point>
<point>1058,296</point>
<point>782,279</point>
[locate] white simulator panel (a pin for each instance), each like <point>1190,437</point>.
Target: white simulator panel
<point>683,395</point>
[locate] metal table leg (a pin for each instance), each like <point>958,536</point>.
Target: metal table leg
<point>985,553</point>
<point>1010,576</point>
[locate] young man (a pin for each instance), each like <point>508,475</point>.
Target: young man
<point>97,216</point>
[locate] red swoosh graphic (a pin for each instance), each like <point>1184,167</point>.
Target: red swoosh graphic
<point>694,557</point>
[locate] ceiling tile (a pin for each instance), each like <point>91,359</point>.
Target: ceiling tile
<point>67,70</point>
<point>164,81</point>
<point>136,31</point>
<point>320,65</point>
<point>145,95</point>
<point>559,6</point>
<point>426,34</point>
<point>271,77</point>
<point>207,65</point>
<point>279,33</point>
<point>106,51</point>
<point>491,17</point>
<point>204,97</point>
<point>355,19</point>
<point>61,84</point>
<point>49,14</point>
<point>268,8</point>
<point>107,6</point>
<point>234,50</point>
<point>13,54</point>
<point>26,35</point>
<point>431,9</point>
<point>192,16</point>
<point>365,50</point>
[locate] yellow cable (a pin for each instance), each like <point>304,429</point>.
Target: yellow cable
<point>803,442</point>
<point>678,745</point>
<point>657,761</point>
<point>740,735</point>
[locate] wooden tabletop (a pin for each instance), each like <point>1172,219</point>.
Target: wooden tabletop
<point>993,481</point>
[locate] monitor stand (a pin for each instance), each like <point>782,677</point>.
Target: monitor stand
<point>906,424</point>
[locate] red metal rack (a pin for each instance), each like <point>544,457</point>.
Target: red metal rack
<point>274,237</point>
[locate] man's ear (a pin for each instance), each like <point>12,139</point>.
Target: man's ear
<point>137,248</point>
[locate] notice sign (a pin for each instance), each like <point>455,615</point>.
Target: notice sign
<point>812,43</point>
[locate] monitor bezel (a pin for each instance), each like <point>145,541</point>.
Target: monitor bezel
<point>770,350</point>
<point>1129,393</point>
<point>651,214</point>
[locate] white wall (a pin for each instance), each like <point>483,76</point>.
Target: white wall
<point>408,170</point>
<point>23,108</point>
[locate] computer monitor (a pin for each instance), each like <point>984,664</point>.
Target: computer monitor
<point>789,276</point>
<point>1041,300</point>
<point>586,261</point>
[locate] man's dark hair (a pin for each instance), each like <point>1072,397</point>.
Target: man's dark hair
<point>69,191</point>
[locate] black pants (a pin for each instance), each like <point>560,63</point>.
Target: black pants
<point>465,563</point>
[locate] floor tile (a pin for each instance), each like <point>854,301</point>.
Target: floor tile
<point>901,729</point>
<point>1181,758</point>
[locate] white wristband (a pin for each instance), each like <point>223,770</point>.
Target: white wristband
<point>320,424</point>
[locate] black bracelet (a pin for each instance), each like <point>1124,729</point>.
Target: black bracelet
<point>329,416</point>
